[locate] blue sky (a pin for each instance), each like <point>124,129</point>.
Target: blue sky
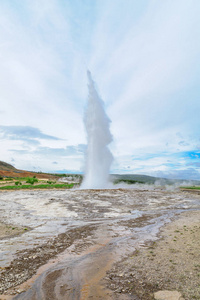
<point>145,59</point>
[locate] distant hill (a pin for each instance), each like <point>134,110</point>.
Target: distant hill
<point>136,178</point>
<point>133,178</point>
<point>7,170</point>
<point>6,167</point>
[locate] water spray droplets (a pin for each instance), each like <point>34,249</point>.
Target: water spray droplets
<point>98,156</point>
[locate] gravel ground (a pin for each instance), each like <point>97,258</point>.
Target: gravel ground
<point>26,264</point>
<point>171,263</point>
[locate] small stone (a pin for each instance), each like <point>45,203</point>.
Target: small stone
<point>20,291</point>
<point>168,295</point>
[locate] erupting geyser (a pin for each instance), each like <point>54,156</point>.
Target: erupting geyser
<point>98,156</point>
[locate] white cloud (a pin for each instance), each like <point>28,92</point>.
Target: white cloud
<point>143,55</point>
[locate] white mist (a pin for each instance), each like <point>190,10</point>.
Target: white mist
<point>98,156</point>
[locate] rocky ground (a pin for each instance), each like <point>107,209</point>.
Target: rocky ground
<point>171,263</point>
<point>26,264</point>
<point>114,244</point>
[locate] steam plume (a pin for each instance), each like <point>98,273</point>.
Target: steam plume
<point>98,156</point>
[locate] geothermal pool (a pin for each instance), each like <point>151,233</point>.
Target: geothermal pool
<point>75,236</point>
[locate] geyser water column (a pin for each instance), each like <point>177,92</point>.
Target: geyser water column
<point>98,156</point>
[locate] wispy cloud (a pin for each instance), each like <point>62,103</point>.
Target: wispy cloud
<point>143,56</point>
<point>23,133</point>
<point>49,152</point>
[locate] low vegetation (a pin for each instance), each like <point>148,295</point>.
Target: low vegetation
<point>31,180</point>
<point>38,186</point>
<point>127,181</point>
<point>191,187</point>
<point>18,183</point>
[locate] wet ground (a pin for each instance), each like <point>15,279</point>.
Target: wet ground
<point>74,238</point>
